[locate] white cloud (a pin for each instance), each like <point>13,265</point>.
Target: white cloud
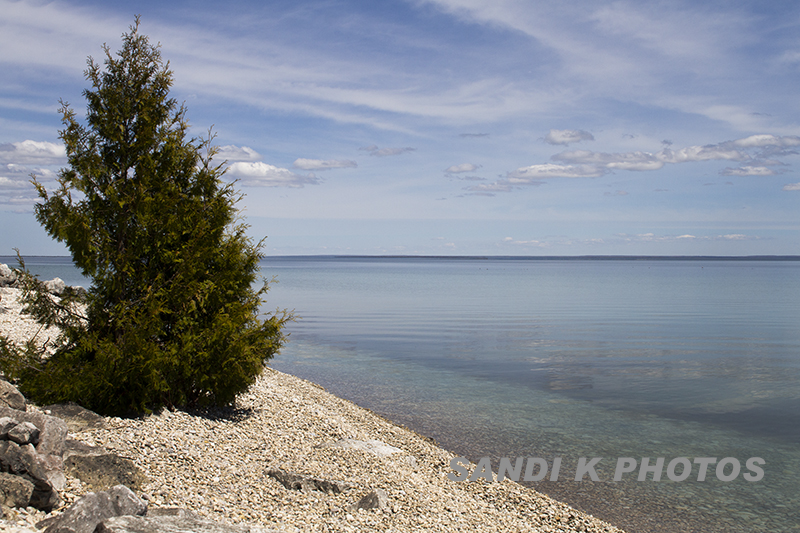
<point>701,153</point>
<point>792,187</point>
<point>383,152</point>
<point>464,167</point>
<point>767,140</point>
<point>536,174</point>
<point>319,164</point>
<point>568,136</point>
<point>7,183</point>
<point>260,174</point>
<point>21,160</point>
<point>17,192</point>
<point>589,164</point>
<point>646,161</point>
<point>37,152</point>
<point>549,170</point>
<point>233,153</point>
<point>627,161</point>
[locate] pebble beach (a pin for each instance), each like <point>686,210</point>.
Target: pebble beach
<point>217,463</point>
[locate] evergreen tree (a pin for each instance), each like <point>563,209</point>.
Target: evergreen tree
<point>171,317</point>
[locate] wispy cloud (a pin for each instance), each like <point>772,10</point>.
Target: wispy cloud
<point>530,242</point>
<point>652,237</point>
<point>384,152</point>
<point>792,187</point>
<point>748,171</point>
<point>19,161</point>
<point>260,174</point>
<point>627,50</point>
<point>567,136</point>
<point>489,189</point>
<point>626,239</point>
<point>319,164</point>
<point>10,184</point>
<point>463,167</point>
<point>17,193</point>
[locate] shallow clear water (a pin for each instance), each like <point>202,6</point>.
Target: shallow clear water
<point>570,359</point>
<point>611,359</point>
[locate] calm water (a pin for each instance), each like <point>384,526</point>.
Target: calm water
<point>569,359</point>
<point>508,358</point>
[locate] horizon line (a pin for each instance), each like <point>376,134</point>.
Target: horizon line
<point>760,257</point>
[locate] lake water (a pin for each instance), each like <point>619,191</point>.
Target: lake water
<point>572,359</point>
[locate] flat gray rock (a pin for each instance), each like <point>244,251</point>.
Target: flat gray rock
<point>104,470</point>
<point>76,417</point>
<point>84,515</point>
<point>76,447</point>
<point>293,481</point>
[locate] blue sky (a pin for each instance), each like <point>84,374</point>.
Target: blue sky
<point>449,127</point>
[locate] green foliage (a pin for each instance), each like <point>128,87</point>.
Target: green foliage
<point>171,317</point>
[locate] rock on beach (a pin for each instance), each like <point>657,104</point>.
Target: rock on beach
<point>215,464</point>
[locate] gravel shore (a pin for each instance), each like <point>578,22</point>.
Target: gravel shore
<point>216,462</point>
